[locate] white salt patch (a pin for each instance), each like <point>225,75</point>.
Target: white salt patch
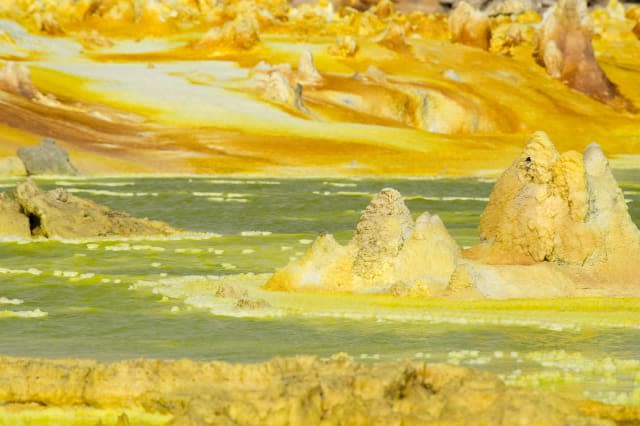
<point>118,247</point>
<point>207,194</point>
<point>147,248</point>
<point>255,233</point>
<point>37,313</point>
<point>248,251</point>
<point>305,241</point>
<point>105,184</point>
<point>112,193</point>
<point>243,182</point>
<point>451,75</point>
<point>30,271</point>
<point>340,184</point>
<point>188,250</point>
<point>101,192</point>
<point>6,301</point>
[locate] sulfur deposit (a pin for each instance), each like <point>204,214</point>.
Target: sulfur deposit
<point>58,214</point>
<point>556,225</point>
<point>565,217</point>
<point>388,251</point>
<point>287,391</point>
<point>566,209</point>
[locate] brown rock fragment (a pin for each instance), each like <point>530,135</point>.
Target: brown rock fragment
<point>565,50</point>
<point>16,79</point>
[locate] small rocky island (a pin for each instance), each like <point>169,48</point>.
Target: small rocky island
<point>58,214</point>
<point>556,225</point>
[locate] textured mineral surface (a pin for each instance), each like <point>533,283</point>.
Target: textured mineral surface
<point>285,391</point>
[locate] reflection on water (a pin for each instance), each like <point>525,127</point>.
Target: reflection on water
<point>112,299</point>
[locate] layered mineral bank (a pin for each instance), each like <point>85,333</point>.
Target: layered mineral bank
<point>556,225</point>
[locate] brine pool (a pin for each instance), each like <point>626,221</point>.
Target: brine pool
<point>128,298</point>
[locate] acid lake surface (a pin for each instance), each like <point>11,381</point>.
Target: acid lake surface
<point>126,298</point>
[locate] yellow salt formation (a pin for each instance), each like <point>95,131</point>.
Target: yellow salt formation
<point>296,391</point>
<point>469,26</point>
<point>565,209</point>
<point>555,226</point>
<point>389,252</point>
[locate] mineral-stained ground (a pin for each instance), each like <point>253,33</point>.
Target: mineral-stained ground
<point>272,88</point>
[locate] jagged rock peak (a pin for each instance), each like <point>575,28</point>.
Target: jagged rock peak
<point>565,50</point>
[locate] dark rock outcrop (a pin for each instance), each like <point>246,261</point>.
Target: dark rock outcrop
<point>46,158</point>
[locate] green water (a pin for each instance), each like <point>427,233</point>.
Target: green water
<point>101,299</point>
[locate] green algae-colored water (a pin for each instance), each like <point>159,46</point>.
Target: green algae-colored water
<point>116,299</point>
